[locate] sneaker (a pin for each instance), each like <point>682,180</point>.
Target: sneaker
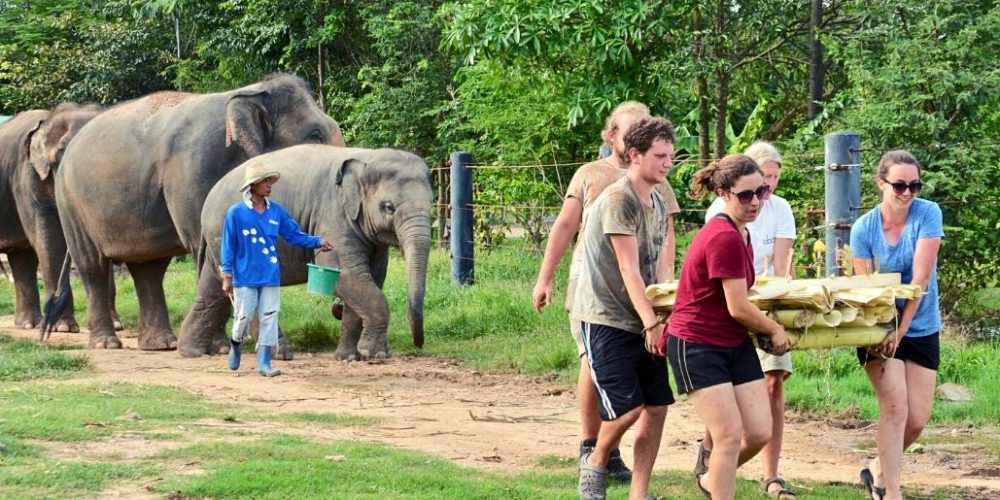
<point>593,481</point>
<point>617,468</point>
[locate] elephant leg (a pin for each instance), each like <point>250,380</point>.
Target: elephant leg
<point>94,274</point>
<point>362,294</point>
<point>24,269</point>
<point>204,328</point>
<point>283,350</point>
<point>350,333</point>
<point>112,299</point>
<point>50,260</point>
<point>154,322</point>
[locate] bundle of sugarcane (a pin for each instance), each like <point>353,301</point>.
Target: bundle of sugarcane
<point>850,311</point>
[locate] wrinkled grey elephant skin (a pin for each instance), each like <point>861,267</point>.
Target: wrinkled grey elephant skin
<point>31,150</point>
<point>134,179</point>
<point>364,201</point>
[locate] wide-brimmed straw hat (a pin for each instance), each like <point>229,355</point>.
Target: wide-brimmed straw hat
<point>257,172</point>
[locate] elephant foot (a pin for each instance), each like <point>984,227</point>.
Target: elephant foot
<point>220,345</point>
<point>346,355</point>
<point>27,322</point>
<point>119,326</point>
<point>377,349</point>
<point>151,341</point>
<point>67,325</point>
<point>190,347</point>
<point>104,341</point>
<point>283,350</point>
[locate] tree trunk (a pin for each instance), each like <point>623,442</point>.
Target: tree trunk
<point>722,75</point>
<point>720,113</point>
<point>177,34</point>
<point>319,71</point>
<point>702,94</point>
<point>817,72</point>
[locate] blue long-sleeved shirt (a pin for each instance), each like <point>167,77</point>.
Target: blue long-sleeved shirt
<point>250,243</point>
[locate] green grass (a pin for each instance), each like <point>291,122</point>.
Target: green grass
<point>832,381</point>
<point>287,467</point>
<point>24,359</point>
<point>82,412</point>
<point>330,419</point>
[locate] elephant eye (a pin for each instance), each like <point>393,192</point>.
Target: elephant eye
<point>388,207</point>
<point>315,136</point>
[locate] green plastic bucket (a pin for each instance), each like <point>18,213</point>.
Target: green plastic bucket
<point>322,280</point>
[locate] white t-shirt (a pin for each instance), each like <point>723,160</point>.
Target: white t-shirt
<point>775,221</point>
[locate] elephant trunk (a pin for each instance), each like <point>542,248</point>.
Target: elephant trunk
<point>414,235</point>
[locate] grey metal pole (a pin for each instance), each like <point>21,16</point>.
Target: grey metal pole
<point>462,259</point>
<point>843,193</point>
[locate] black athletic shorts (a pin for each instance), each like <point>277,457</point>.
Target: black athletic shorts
<point>626,376</point>
<point>924,351</point>
<point>697,366</point>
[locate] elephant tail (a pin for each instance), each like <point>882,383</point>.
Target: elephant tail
<point>57,302</point>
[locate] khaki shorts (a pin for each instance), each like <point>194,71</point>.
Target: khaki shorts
<point>575,327</point>
<point>770,362</point>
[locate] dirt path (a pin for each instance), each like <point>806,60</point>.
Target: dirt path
<point>491,420</point>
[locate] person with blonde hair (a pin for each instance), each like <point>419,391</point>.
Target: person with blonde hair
<point>772,234</point>
<point>587,184</point>
<point>708,342</point>
<point>901,235</point>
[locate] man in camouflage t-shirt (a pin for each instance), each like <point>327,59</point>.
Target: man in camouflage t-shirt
<point>587,184</point>
<point>624,242</point>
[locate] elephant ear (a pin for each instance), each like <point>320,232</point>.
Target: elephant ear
<point>349,177</point>
<point>247,123</point>
<point>34,144</point>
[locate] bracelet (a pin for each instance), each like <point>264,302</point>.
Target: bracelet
<point>650,327</point>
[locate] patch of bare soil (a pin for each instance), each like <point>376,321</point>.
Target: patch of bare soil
<point>489,420</point>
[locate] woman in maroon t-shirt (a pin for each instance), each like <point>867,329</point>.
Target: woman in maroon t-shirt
<point>708,340</point>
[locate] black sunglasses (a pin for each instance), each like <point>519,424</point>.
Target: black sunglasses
<point>900,187</point>
<point>763,193</point>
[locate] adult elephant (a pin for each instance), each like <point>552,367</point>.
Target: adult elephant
<point>133,182</point>
<point>364,201</point>
<point>31,149</point>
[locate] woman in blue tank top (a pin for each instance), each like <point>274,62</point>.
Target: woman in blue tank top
<point>902,235</point>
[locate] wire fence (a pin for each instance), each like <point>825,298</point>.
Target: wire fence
<point>515,221</point>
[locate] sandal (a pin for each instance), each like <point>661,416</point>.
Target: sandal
<point>868,480</point>
<point>697,480</point>
<point>783,493</point>
<point>701,466</point>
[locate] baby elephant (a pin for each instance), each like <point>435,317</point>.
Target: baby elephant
<point>364,201</point>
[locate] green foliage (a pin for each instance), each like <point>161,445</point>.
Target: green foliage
<point>75,50</point>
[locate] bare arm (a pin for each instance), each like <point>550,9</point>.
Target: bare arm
<point>566,225</point>
<point>668,254</point>
<point>740,308</point>
<point>783,256</point>
<point>627,254</point>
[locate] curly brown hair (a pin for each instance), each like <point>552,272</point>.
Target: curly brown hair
<point>643,133</point>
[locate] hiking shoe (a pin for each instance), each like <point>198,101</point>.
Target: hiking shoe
<point>617,468</point>
<point>593,481</point>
